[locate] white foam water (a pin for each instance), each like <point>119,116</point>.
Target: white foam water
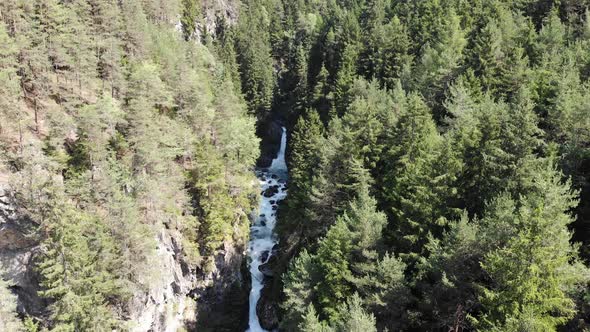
<point>262,238</point>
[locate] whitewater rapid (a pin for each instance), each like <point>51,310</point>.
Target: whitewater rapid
<point>262,238</point>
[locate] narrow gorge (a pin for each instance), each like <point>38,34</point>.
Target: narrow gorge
<point>263,240</point>
<point>281,165</point>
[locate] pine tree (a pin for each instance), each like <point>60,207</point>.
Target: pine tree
<point>386,55</point>
<point>10,92</point>
<point>77,271</point>
<point>493,142</point>
<point>254,57</point>
<point>345,77</point>
<point>191,13</point>
<point>323,97</point>
<point>306,143</point>
<point>367,120</point>
<point>448,276</point>
<point>386,291</point>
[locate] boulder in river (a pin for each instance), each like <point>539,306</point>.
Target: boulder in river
<point>266,310</point>
<point>270,191</point>
<point>267,269</point>
<point>264,256</point>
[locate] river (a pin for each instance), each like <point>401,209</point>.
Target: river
<point>262,237</point>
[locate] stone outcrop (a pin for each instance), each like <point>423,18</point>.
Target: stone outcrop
<point>271,142</point>
<point>18,249</point>
<point>178,298</point>
<point>223,293</point>
<point>267,311</point>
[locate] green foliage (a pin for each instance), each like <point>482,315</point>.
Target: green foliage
<point>80,271</point>
<point>299,283</point>
<point>441,60</point>
<point>254,57</point>
<point>119,134</point>
<point>354,317</point>
<point>387,52</point>
<point>469,101</point>
<point>311,322</point>
<point>119,128</point>
<point>334,257</point>
<point>531,264</point>
<point>9,116</point>
<point>415,190</point>
<point>191,13</point>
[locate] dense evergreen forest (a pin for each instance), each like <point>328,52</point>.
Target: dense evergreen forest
<point>439,157</point>
<point>116,132</point>
<point>438,161</point>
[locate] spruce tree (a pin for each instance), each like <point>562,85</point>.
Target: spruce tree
<point>531,263</point>
<point>354,317</point>
<point>311,322</point>
<point>412,191</point>
<point>440,62</point>
<point>299,289</point>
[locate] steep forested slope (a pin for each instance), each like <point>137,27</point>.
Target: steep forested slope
<point>128,150</point>
<point>438,158</point>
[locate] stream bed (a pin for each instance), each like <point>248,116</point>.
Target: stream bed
<point>273,185</point>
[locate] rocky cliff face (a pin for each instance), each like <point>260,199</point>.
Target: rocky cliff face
<point>181,297</point>
<point>18,248</point>
<point>187,298</point>
<point>270,132</point>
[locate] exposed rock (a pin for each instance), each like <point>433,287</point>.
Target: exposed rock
<point>270,191</point>
<point>18,250</point>
<point>270,132</point>
<point>267,313</point>
<point>268,267</point>
<point>223,297</point>
<point>264,256</point>
<point>166,305</point>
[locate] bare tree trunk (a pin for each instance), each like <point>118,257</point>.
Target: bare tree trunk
<point>458,324</point>
<point>20,138</point>
<point>36,117</point>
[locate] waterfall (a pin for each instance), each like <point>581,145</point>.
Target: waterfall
<point>262,238</point>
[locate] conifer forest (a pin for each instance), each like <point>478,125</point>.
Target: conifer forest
<point>294,165</point>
